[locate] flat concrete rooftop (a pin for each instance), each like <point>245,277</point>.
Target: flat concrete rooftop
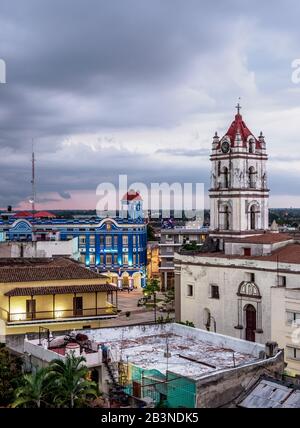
<point>192,352</point>
<point>187,357</point>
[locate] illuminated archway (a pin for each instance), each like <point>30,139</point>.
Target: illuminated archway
<point>125,279</point>
<point>137,279</point>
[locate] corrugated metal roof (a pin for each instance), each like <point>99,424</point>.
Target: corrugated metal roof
<point>268,394</point>
<point>293,401</point>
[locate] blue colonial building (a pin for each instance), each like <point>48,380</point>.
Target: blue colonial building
<point>114,245</point>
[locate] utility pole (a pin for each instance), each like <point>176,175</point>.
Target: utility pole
<point>167,343</point>
<point>154,297</point>
<point>33,195</point>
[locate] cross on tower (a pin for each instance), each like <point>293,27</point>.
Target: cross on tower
<point>238,107</point>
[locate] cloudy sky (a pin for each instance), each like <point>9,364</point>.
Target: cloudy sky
<point>139,87</point>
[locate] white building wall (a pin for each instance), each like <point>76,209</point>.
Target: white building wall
<point>41,249</point>
<point>286,334</point>
<point>228,274</point>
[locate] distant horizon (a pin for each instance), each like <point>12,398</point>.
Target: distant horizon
<point>94,209</point>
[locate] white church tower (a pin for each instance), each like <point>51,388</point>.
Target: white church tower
<point>239,191</point>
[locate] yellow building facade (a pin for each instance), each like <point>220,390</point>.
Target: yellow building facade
<point>153,260</point>
<point>58,294</point>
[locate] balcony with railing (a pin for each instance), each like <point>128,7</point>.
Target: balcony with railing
<point>60,304</point>
<point>60,315</point>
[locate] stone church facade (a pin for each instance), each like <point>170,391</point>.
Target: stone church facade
<point>240,280</point>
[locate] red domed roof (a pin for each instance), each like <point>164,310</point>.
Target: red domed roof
<point>239,126</point>
<point>22,214</point>
<point>39,214</point>
<point>132,195</point>
<point>44,214</point>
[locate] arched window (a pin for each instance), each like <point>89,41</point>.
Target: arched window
<point>252,175</point>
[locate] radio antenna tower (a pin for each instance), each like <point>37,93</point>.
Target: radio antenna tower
<point>33,180</point>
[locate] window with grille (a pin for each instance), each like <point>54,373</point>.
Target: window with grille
<point>293,353</point>
<point>190,290</point>
<point>293,317</point>
<point>281,281</point>
<point>214,292</point>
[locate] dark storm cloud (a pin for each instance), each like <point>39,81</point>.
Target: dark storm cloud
<point>77,67</point>
<point>65,195</point>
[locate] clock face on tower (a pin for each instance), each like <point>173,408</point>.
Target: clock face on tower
<point>225,147</point>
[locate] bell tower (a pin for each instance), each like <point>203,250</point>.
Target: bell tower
<point>239,193</point>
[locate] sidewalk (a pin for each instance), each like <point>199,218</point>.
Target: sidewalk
<point>127,302</point>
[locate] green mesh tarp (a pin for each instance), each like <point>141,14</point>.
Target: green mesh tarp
<point>173,390</point>
<point>181,392</point>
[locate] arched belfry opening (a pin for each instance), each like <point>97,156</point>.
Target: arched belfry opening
<point>225,217</point>
<point>253,218</point>
<point>225,178</point>
<point>252,177</point>
<point>254,212</point>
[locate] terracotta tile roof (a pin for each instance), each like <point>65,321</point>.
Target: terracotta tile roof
<point>265,238</point>
<point>28,270</point>
<point>64,289</point>
<point>287,254</point>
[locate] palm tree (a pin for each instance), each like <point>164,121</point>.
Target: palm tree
<point>69,381</point>
<point>33,392</point>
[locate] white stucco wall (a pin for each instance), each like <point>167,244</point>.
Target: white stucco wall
<point>41,249</point>
<point>228,274</point>
<point>286,334</point>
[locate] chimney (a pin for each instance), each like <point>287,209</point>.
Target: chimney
<point>271,349</point>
